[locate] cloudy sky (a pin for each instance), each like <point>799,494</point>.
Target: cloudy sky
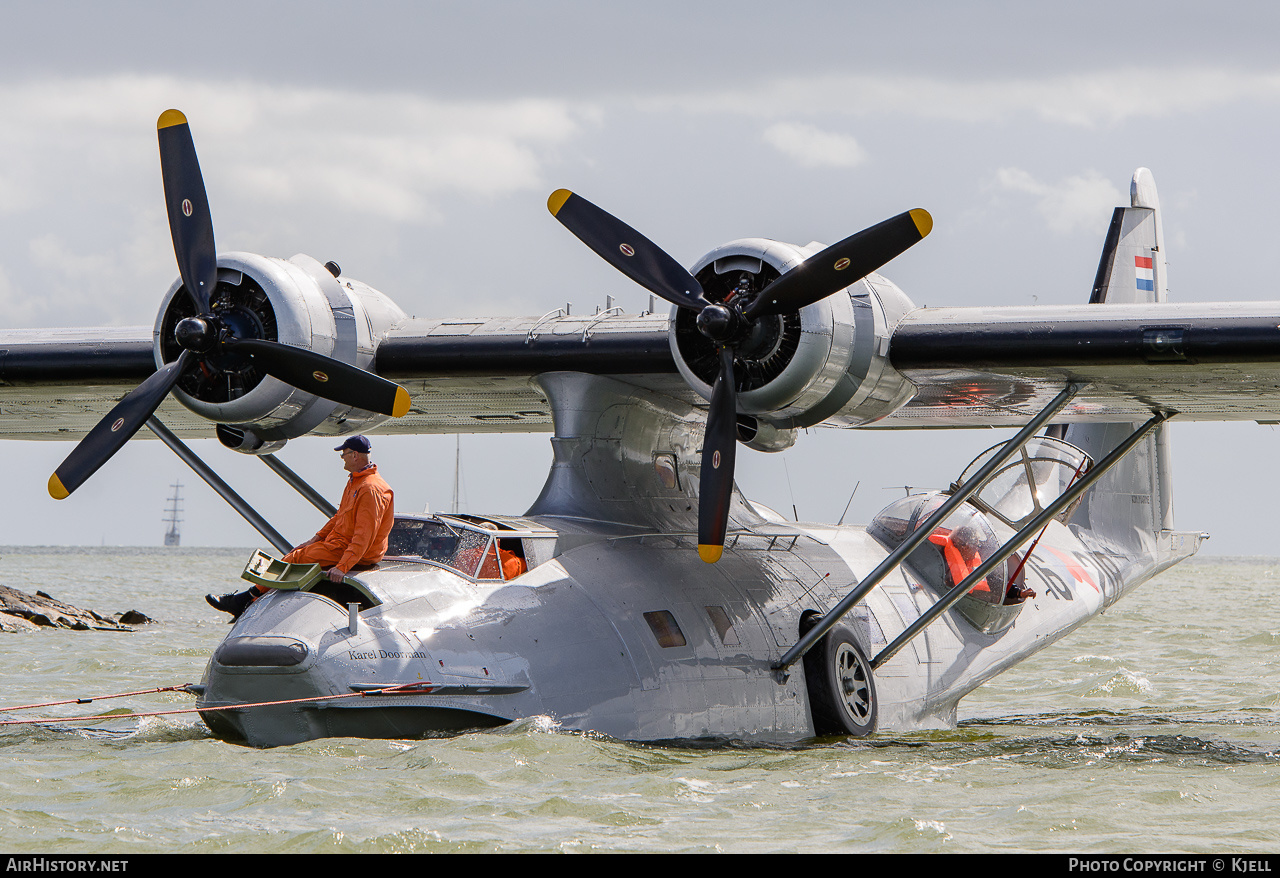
<point>415,143</point>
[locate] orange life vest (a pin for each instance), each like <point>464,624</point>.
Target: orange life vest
<point>959,565</point>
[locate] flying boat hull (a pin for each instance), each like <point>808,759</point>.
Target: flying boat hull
<point>633,636</point>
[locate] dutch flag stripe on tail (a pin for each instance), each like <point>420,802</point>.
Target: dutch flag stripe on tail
<point>1146,275</point>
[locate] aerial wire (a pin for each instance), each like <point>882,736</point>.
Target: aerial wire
<point>850,503</point>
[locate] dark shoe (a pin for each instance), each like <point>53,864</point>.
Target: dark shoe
<point>234,603</point>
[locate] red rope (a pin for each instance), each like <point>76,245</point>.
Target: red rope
<point>94,698</point>
<point>404,688</point>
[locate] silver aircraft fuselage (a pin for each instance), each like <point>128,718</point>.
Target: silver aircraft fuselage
<point>629,634</point>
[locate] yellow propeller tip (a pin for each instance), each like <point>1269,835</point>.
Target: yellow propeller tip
<point>56,491</point>
<point>169,118</point>
<point>401,406</point>
<point>924,222</point>
<point>711,554</point>
<point>557,200</point>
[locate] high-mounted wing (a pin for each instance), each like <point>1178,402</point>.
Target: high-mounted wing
<point>1131,350</point>
<point>970,367</point>
<point>998,366</point>
<point>468,376</point>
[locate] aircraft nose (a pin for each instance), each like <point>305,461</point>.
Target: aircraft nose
<point>271,659</point>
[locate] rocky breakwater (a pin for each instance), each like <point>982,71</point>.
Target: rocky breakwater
<point>20,611</point>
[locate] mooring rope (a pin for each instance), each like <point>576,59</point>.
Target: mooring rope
<point>94,698</point>
<point>400,689</point>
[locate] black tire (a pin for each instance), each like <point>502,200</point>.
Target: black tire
<point>842,690</point>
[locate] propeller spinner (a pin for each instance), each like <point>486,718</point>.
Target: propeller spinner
<point>206,334</point>
<point>729,324</point>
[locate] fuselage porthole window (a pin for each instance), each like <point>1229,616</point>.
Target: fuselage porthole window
<point>665,628</point>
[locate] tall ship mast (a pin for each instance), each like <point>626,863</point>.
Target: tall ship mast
<point>171,536</point>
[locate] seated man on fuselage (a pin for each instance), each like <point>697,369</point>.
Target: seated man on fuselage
<point>356,535</point>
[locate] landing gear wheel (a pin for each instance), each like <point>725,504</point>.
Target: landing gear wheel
<point>842,693</point>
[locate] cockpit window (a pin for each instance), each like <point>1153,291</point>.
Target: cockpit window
<point>433,540</point>
<point>437,541</point>
<point>474,553</point>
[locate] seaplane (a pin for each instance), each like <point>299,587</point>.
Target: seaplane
<point>654,601</point>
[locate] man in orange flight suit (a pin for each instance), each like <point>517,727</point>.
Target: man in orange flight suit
<point>356,535</point>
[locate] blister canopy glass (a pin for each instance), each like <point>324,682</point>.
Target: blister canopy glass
<point>1041,472</point>
<point>954,549</point>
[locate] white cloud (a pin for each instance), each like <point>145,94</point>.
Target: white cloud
<point>1071,204</point>
<point>80,157</point>
<point>375,153</point>
<point>813,147</point>
<point>1085,99</point>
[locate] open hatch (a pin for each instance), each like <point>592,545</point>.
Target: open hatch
<point>270,572</point>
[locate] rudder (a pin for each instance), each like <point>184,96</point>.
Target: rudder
<point>1133,503</point>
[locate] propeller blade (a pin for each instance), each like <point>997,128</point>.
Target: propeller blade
<point>719,450</point>
<point>324,376</point>
<point>190,224</point>
<point>627,250</point>
<point>110,434</point>
<point>841,264</point>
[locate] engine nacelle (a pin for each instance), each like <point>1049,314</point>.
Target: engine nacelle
<point>295,302</point>
<point>826,362</point>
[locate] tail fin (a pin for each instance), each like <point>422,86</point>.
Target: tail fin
<point>1133,503</point>
<point>1133,269</point>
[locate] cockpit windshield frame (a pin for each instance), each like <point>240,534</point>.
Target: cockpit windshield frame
<point>464,547</point>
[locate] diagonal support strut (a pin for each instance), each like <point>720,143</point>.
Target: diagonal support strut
<point>1062,502</point>
<point>962,493</point>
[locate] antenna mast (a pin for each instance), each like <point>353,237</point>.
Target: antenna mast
<point>457,469</point>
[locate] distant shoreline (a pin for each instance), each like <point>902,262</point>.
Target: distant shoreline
<point>131,550</point>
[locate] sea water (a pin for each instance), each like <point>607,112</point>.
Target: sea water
<point>1155,728</point>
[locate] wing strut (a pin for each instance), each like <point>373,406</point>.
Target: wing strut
<point>890,563</point>
<point>1067,498</point>
<point>234,500</point>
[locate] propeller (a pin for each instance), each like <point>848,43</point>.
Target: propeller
<point>205,334</point>
<point>729,324</point>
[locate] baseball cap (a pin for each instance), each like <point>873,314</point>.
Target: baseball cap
<point>355,443</point>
